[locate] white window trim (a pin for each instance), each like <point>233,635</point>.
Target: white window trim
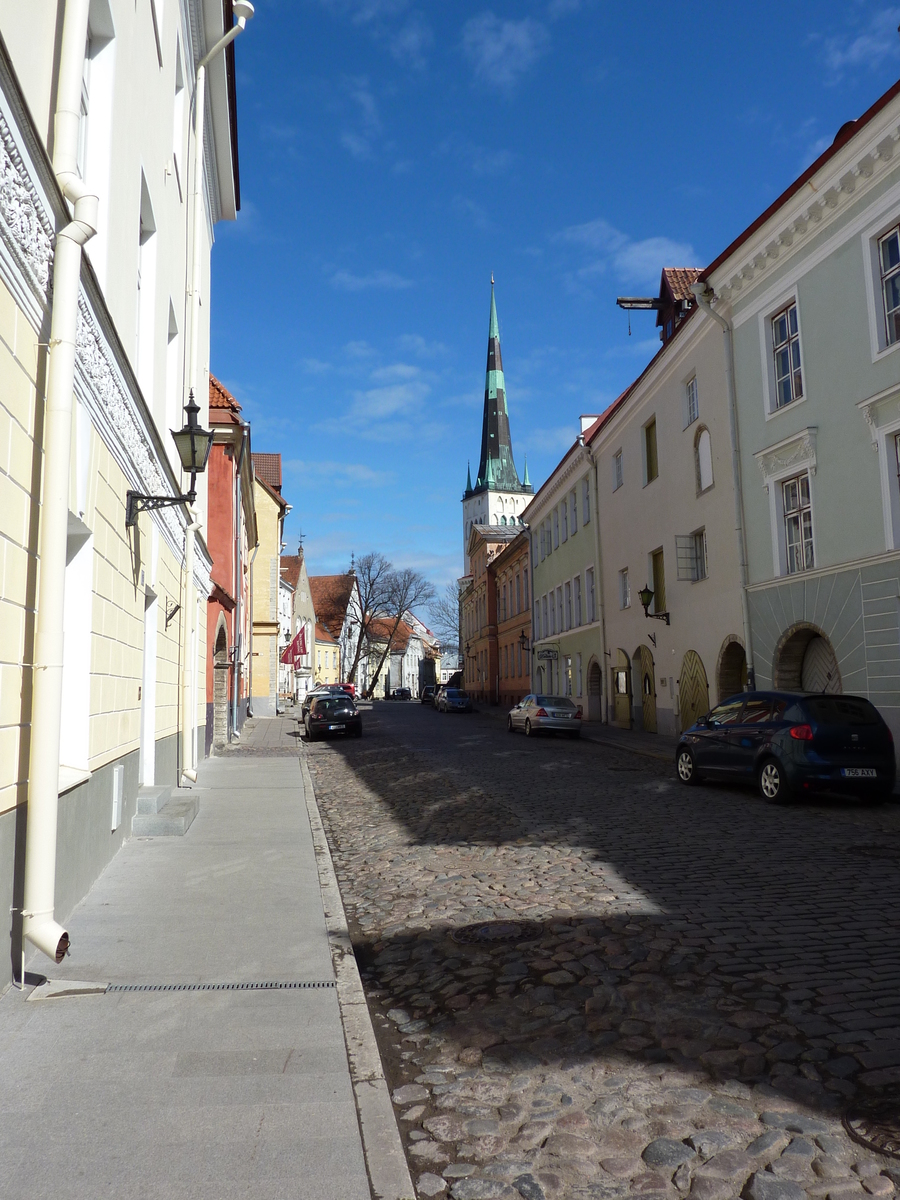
<point>789,457</point>
<point>766,345</point>
<point>686,419</point>
<point>882,414</point>
<point>878,344</point>
<point>616,482</point>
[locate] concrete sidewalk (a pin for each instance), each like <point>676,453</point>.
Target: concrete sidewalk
<point>206,1093</point>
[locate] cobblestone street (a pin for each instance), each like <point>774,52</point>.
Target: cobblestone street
<point>682,991</point>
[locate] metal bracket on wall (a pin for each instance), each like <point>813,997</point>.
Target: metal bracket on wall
<point>170,613</point>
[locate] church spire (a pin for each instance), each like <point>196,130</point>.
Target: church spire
<point>496,468</point>
<point>468,478</point>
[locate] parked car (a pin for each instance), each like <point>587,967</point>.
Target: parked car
<point>323,689</point>
<point>428,693</point>
<point>401,694</point>
<point>349,688</point>
<point>333,714</point>
<point>545,714</point>
<point>453,700</point>
<point>791,743</point>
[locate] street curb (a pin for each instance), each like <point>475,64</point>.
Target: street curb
<point>389,1176</point>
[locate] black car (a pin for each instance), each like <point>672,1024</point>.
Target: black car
<point>791,743</point>
<point>323,689</point>
<point>333,714</point>
<point>428,692</point>
<point>401,694</point>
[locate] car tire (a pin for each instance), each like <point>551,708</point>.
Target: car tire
<point>509,725</point>
<point>773,785</point>
<point>686,767</point>
<point>310,736</point>
<point>529,732</point>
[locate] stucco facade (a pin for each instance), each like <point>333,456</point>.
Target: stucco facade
<point>512,582</point>
<point>266,576</point>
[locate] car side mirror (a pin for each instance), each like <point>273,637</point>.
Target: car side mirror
<point>705,722</point>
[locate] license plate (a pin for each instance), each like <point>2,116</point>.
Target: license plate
<point>859,773</point>
<point>335,727</point>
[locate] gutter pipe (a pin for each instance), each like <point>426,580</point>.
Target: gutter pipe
<point>598,585</point>
<point>705,296</point>
<point>39,924</point>
<point>244,11</point>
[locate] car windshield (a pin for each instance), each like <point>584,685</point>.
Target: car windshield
<point>554,701</point>
<point>334,704</point>
<point>456,694</point>
<point>841,710</point>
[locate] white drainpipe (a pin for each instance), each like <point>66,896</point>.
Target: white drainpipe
<point>705,295</point>
<point>39,924</point>
<point>243,10</point>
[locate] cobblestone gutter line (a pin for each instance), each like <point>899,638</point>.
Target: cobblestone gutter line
<point>385,1160</point>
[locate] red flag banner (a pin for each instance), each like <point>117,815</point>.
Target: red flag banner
<point>301,643</point>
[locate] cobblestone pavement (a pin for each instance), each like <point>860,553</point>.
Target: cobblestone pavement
<point>698,989</point>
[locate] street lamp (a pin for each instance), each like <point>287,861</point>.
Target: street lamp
<point>193,445</point>
<point>645,595</point>
<point>523,641</point>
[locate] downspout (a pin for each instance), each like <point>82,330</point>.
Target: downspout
<point>189,664</point>
<point>39,925</point>
<point>705,295</point>
<point>598,588</point>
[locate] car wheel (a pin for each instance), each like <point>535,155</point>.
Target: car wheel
<point>773,786</point>
<point>529,732</point>
<point>509,725</point>
<point>687,767</point>
<point>310,736</point>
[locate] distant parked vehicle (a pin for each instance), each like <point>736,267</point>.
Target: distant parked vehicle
<point>333,714</point>
<point>545,714</point>
<point>791,743</point>
<point>428,694</point>
<point>453,700</point>
<point>401,694</point>
<point>349,688</point>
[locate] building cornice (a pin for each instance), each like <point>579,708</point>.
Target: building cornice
<point>850,173</point>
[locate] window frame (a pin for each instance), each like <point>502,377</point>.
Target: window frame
<point>767,350</point>
<point>618,470</point>
<point>651,460</point>
<point>894,273</point>
<point>586,501</point>
<point>624,589</point>
<point>691,393</point>
<point>564,519</point>
<point>801,510</point>
<point>590,598</point>
<point>698,464</point>
<point>871,238</point>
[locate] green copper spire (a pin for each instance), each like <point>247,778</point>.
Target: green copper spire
<point>496,469</point>
<point>468,477</point>
<point>526,482</point>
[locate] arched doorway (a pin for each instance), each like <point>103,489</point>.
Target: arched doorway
<point>594,690</point>
<point>220,685</point>
<point>646,673</point>
<point>805,661</point>
<point>693,689</point>
<point>731,670</point>
<point>539,681</point>
<point>621,690</point>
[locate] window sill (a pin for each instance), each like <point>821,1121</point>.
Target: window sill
<point>777,412</point>
<point>885,352</point>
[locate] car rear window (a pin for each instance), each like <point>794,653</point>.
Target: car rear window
<point>334,704</point>
<point>841,710</point>
<point>555,701</point>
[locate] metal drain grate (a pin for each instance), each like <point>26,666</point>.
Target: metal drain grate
<point>496,931</point>
<point>874,1122</point>
<point>269,986</point>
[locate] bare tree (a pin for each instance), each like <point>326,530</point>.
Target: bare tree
<point>445,617</point>
<point>373,578</point>
<point>407,590</point>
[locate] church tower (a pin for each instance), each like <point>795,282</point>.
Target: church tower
<point>499,496</point>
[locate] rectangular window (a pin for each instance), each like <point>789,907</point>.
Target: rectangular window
<point>659,581</point>
<point>568,591</point>
<point>567,668</point>
<point>624,590</point>
<point>526,663</point>
<point>786,349</point>
<point>889,262</point>
<point>543,539</point>
<point>559,610</point>
<point>525,589</point>
<point>518,594</point>
<point>617,470</point>
<point>573,506</point>
<point>578,691</point>
<point>797,524</point>
<point>537,622</point>
<point>585,501</point>
<point>690,555</point>
<point>505,662</point>
<point>692,402</point>
<point>564,513</point>
<point>556,529</point>
<point>651,459</point>
<point>552,600</point>
<point>577,586</point>
<point>503,604</point>
<point>546,625</point>
<point>589,589</point>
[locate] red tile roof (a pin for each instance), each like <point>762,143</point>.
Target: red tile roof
<point>680,279</point>
<point>330,596</point>
<point>268,469</point>
<point>380,630</point>
<point>223,408</point>
<point>322,635</point>
<point>290,568</point>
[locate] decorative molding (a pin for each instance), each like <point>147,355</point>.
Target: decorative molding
<point>880,409</point>
<point>798,450</point>
<point>26,255</point>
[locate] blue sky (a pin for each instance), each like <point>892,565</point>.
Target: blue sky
<point>394,154</point>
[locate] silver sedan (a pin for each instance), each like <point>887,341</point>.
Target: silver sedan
<point>553,714</point>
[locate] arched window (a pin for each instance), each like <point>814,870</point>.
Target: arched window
<point>703,460</point>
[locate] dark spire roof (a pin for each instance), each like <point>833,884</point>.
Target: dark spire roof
<point>496,469</point>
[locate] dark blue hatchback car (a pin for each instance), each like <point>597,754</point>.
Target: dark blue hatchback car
<point>791,743</point>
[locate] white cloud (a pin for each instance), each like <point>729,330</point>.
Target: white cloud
<point>475,212</point>
<point>410,44</point>
<point>360,349</point>
<point>315,366</point>
<point>636,262</point>
<point>869,48</point>
<point>360,142</point>
<point>414,343</point>
<point>395,373</point>
<point>346,281</point>
<point>562,8</point>
<point>499,51</point>
<point>559,438</point>
<point>353,472</point>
